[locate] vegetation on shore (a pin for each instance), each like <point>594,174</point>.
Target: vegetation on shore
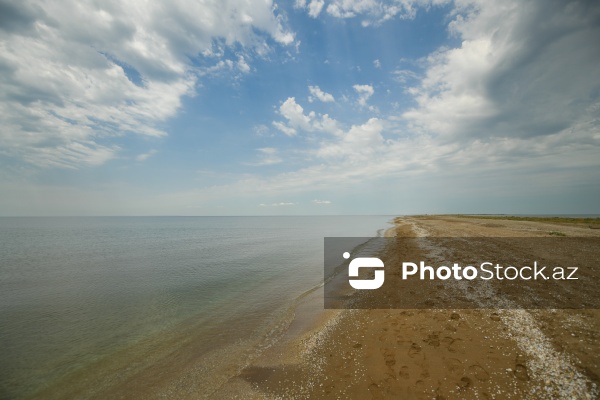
<point>556,220</point>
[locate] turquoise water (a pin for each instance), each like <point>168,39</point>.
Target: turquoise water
<point>77,292</point>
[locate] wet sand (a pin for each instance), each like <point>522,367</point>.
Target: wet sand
<point>433,353</point>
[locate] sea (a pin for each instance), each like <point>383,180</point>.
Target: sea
<point>88,303</point>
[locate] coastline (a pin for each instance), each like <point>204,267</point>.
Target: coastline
<point>195,358</point>
<point>429,353</point>
<point>307,352</point>
<point>269,374</point>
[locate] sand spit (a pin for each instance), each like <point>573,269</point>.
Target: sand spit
<point>495,352</point>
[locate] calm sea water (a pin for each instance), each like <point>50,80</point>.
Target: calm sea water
<point>81,298</point>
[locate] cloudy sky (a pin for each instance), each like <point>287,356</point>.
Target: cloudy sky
<point>254,107</point>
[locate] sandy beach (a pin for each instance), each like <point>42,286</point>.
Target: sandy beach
<point>467,353</point>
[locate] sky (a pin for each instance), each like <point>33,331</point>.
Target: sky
<point>306,107</point>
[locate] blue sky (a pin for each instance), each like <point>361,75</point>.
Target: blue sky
<point>306,107</point>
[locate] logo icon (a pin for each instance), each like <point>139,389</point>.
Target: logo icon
<point>365,262</point>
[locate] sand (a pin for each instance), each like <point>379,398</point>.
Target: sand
<point>488,353</point>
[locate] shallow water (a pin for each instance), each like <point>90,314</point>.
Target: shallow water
<point>116,292</point>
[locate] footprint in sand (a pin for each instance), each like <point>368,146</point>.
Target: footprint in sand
<point>389,377</point>
<point>454,364</point>
<point>521,372</point>
<point>464,382</point>
<point>479,372</point>
<point>404,372</point>
<point>376,391</point>
<point>433,340</point>
<point>447,340</point>
<point>454,345</point>
<point>390,358</point>
<point>414,350</point>
<point>450,328</point>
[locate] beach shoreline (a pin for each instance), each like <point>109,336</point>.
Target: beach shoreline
<point>443,353</point>
<point>195,353</point>
<point>307,351</point>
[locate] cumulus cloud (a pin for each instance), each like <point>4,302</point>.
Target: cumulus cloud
<point>517,96</point>
<point>313,7</point>
<point>294,113</point>
<point>320,95</point>
<point>321,202</point>
<point>358,143</point>
<point>516,99</point>
<point>75,75</point>
<point>377,63</point>
<point>351,8</point>
<point>282,204</point>
<point>298,120</point>
<point>243,65</point>
<point>364,93</point>
<point>287,130</point>
<point>521,70</point>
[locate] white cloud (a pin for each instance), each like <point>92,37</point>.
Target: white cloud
<point>319,94</point>
<point>297,120</point>
<point>516,101</point>
<point>84,153</point>
<point>376,11</point>
<point>377,63</point>
<point>284,128</point>
<point>363,156</point>
<point>294,113</point>
<point>314,7</point>
<point>145,156</point>
<point>282,204</point>
<point>243,65</point>
<point>487,112</point>
<point>77,74</point>
<point>360,142</point>
<point>405,76</point>
<point>414,165</point>
<point>514,73</point>
<point>321,202</point>
<point>350,8</point>
<point>364,93</point>
<point>327,124</point>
